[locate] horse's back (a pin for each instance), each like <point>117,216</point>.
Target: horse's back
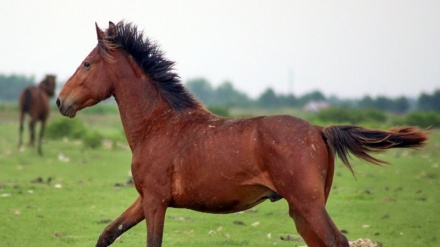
<point>253,137</point>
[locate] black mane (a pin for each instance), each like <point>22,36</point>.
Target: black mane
<point>151,59</point>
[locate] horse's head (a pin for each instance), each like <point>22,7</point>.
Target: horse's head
<point>92,80</point>
<point>48,85</point>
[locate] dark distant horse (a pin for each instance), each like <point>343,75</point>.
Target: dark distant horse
<point>186,157</point>
<point>34,100</point>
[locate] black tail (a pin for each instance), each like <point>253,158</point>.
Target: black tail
<point>360,141</point>
<point>26,104</point>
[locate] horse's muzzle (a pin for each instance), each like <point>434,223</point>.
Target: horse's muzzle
<point>68,111</point>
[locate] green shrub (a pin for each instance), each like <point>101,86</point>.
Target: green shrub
<point>374,115</point>
<point>9,107</point>
<point>222,111</point>
<point>92,139</point>
<point>351,116</point>
<point>61,127</point>
<point>422,119</point>
<point>101,109</point>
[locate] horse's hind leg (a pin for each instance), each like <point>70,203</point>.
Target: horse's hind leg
<point>307,208</point>
<point>31,132</point>
<point>131,217</point>
<point>40,137</point>
<point>306,187</point>
<point>20,135</point>
<point>307,195</point>
<point>316,227</point>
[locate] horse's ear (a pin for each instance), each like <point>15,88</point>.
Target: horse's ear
<point>111,31</point>
<point>99,33</point>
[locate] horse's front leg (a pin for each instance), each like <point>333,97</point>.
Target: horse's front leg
<point>131,217</point>
<point>154,211</point>
<point>40,137</point>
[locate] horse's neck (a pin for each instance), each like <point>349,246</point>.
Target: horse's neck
<point>141,109</point>
<point>43,88</point>
<point>137,102</point>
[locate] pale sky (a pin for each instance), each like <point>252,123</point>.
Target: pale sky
<point>345,48</point>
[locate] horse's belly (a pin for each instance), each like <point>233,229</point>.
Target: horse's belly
<point>224,200</point>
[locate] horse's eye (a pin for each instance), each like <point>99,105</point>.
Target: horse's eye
<point>86,64</point>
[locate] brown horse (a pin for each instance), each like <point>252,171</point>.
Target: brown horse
<point>35,102</point>
<point>186,157</point>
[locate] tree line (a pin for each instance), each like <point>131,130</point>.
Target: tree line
<point>11,86</point>
<point>228,96</point>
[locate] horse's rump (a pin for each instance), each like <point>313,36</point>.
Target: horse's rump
<point>26,100</point>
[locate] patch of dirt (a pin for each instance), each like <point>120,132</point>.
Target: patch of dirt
<point>289,237</point>
<point>364,242</point>
<point>40,180</point>
<point>104,221</point>
<point>238,222</point>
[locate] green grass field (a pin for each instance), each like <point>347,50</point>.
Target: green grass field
<point>68,196</point>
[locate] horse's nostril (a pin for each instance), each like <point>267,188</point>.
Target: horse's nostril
<point>58,103</point>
